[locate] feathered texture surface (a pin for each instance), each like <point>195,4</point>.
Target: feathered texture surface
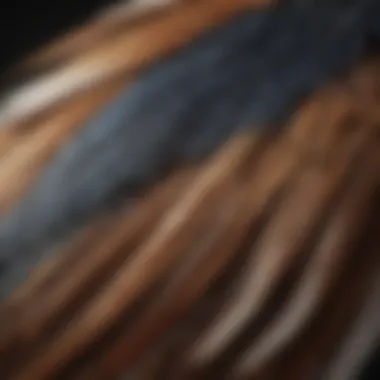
<point>195,186</point>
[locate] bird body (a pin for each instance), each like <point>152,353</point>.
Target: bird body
<point>194,194</point>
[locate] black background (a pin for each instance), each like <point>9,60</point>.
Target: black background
<point>27,25</point>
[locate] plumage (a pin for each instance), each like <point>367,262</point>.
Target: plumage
<point>203,204</point>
